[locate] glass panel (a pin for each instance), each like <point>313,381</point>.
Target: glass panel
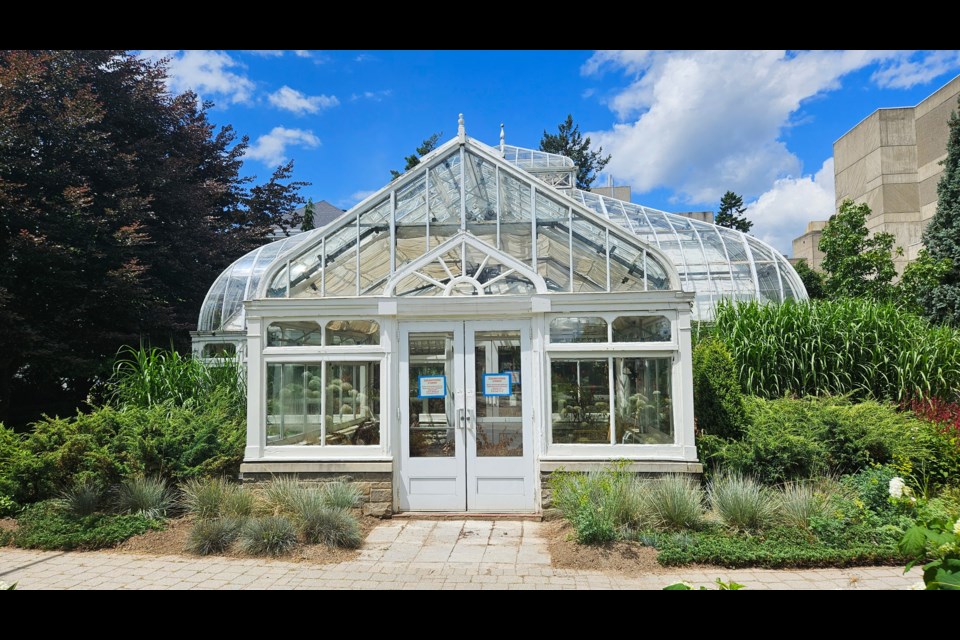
<point>411,221</point>
<point>626,266</point>
<point>219,350</point>
<point>293,404</point>
<point>499,419</point>
<point>589,256</point>
<point>432,428</point>
<point>481,194</point>
<point>211,314</point>
<point>278,286</point>
<point>375,249</point>
<point>352,333</point>
<point>352,403</point>
<point>643,411</point>
<point>641,329</point>
<point>444,200</point>
<point>657,277</point>
<point>580,398</point>
<point>515,215</point>
<point>578,329</point>
<point>341,262</point>
<point>294,334</point>
<point>553,244</point>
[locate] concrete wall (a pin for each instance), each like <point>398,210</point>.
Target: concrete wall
<point>890,161</point>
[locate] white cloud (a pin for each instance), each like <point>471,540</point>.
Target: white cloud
<point>702,122</point>
<point>266,53</point>
<point>271,148</point>
<point>782,213</point>
<point>355,197</point>
<point>298,103</point>
<point>376,96</point>
<point>207,73</point>
<point>913,68</point>
<point>302,53</point>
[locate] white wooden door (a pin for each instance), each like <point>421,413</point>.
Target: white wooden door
<point>465,425</point>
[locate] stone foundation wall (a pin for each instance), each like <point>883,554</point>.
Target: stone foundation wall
<point>376,486</point>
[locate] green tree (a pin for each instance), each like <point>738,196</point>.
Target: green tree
<point>119,205</point>
<point>812,280</point>
<point>941,302</point>
<point>731,213</point>
<point>308,213</point>
<point>922,276</point>
<point>413,160</point>
<point>570,143</point>
<point>857,266</point>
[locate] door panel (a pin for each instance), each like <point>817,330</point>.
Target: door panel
<point>466,432</point>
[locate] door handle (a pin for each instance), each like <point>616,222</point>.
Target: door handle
<point>462,414</point>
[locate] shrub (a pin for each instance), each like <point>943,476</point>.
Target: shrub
<point>46,525</point>
<point>717,397</point>
<point>341,495</point>
<point>851,346</point>
<point>282,494</point>
<point>872,487</point>
<point>148,497</point>
<point>330,526</point>
<point>269,535</point>
<point>599,504</point>
<point>83,499</point>
<point>800,502</point>
<point>741,502</point>
<point>945,414</point>
<point>674,502</point>
<point>237,503</point>
<point>213,535</point>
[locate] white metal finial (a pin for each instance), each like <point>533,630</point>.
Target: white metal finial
<point>503,140</point>
<point>461,130</point>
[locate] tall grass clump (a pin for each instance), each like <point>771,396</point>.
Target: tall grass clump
<point>83,499</point>
<point>741,502</point>
<point>282,494</point>
<point>599,504</point>
<point>674,502</point>
<point>340,494</point>
<point>800,502</point>
<point>204,497</point>
<point>852,346</point>
<point>319,522</point>
<point>213,535</point>
<point>269,535</point>
<point>146,377</point>
<point>148,497</point>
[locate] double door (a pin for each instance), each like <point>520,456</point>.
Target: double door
<point>465,422</point>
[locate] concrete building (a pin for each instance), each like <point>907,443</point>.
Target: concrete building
<point>891,161</point>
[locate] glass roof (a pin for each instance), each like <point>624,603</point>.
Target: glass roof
<point>222,309</point>
<point>713,261</point>
<point>565,239</point>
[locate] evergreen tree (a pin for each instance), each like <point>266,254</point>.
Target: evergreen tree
<point>570,143</point>
<point>731,213</point>
<point>921,276</point>
<point>942,236</point>
<point>812,280</point>
<point>119,205</point>
<point>308,213</point>
<point>857,265</point>
<point>413,160</point>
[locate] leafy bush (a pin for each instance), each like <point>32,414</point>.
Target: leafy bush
<point>802,501</point>
<point>674,502</point>
<point>599,504</point>
<point>717,397</point>
<point>106,445</point>
<point>741,502</point>
<point>213,535</point>
<point>238,503</point>
<point>340,494</point>
<point>851,346</point>
<point>149,497</point>
<point>781,548</point>
<point>46,525</point>
<point>214,497</point>
<point>937,544</point>
<point>83,499</point>
<point>11,450</point>
<point>269,535</point>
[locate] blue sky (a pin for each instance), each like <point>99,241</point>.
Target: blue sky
<point>683,126</point>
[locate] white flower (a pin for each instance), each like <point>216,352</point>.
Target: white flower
<point>918,586</point>
<point>956,527</point>
<point>896,487</point>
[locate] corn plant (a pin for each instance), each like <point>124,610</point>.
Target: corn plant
<point>856,347</point>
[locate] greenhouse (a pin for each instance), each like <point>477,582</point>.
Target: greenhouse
<point>475,325</point>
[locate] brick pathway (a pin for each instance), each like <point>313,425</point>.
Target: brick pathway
<point>403,555</point>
